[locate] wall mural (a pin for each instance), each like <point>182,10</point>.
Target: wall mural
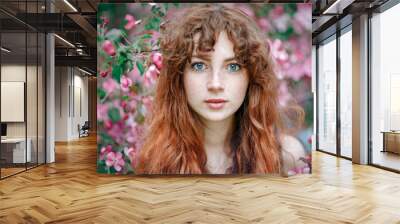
<point>204,89</point>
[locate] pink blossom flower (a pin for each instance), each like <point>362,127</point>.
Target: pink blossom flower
<point>156,58</point>
<point>295,72</point>
<point>109,85</point>
<point>117,132</point>
<point>132,104</point>
<point>264,24</point>
<point>115,159</point>
<point>104,151</point>
<point>108,124</point>
<point>109,48</point>
<point>124,104</point>
<point>117,105</point>
<point>278,51</point>
<point>147,102</point>
<point>105,20</point>
<point>302,19</point>
<point>281,23</point>
<point>150,76</point>
<point>134,75</point>
<point>103,74</point>
<point>125,117</point>
<point>277,11</point>
<point>131,152</point>
<point>155,36</point>
<point>132,134</point>
<point>102,110</point>
<point>126,83</point>
<point>131,22</point>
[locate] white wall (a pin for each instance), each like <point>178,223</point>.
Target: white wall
<point>61,103</point>
<point>70,83</point>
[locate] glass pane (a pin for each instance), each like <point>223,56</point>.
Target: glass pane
<point>327,97</point>
<point>13,85</point>
<point>346,94</point>
<point>31,97</point>
<point>41,99</point>
<point>385,89</point>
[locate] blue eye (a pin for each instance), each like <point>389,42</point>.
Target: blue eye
<point>198,66</point>
<point>233,67</point>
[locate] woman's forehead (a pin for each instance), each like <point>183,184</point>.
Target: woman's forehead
<point>222,44</point>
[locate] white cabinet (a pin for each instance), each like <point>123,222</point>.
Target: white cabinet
<point>18,149</point>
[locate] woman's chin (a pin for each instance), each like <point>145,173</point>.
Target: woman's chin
<point>216,116</point>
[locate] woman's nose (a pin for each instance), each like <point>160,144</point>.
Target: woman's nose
<point>215,82</point>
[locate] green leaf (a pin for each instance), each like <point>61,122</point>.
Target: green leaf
<point>122,61</point>
<point>146,36</point>
<point>128,166</point>
<point>100,39</point>
<point>101,166</point>
<point>156,23</point>
<point>117,72</point>
<point>290,9</point>
<point>105,138</point>
<point>114,115</point>
<point>148,26</point>
<point>157,11</point>
<point>153,24</point>
<point>125,97</point>
<point>140,67</point>
<point>129,65</point>
<point>101,93</point>
<point>112,170</point>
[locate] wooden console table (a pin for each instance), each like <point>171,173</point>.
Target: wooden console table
<point>391,141</point>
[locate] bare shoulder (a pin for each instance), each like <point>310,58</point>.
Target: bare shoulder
<point>292,152</point>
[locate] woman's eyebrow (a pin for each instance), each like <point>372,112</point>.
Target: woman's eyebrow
<point>202,56</point>
<point>230,59</point>
<point>208,58</point>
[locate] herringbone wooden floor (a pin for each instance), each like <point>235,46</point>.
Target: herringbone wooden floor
<point>70,191</point>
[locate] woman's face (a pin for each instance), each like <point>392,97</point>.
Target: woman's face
<point>215,84</point>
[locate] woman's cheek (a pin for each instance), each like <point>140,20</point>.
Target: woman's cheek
<point>193,90</point>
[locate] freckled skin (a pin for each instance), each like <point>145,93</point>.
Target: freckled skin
<point>216,81</point>
<point>218,76</point>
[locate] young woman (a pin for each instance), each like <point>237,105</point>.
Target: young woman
<point>216,104</point>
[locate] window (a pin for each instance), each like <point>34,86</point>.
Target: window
<point>327,96</point>
<point>385,89</point>
<point>346,93</point>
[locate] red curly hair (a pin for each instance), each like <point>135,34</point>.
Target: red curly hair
<point>174,141</point>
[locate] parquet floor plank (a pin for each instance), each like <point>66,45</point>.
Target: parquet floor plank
<point>70,191</point>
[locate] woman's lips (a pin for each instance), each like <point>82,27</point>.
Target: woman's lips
<point>215,104</point>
